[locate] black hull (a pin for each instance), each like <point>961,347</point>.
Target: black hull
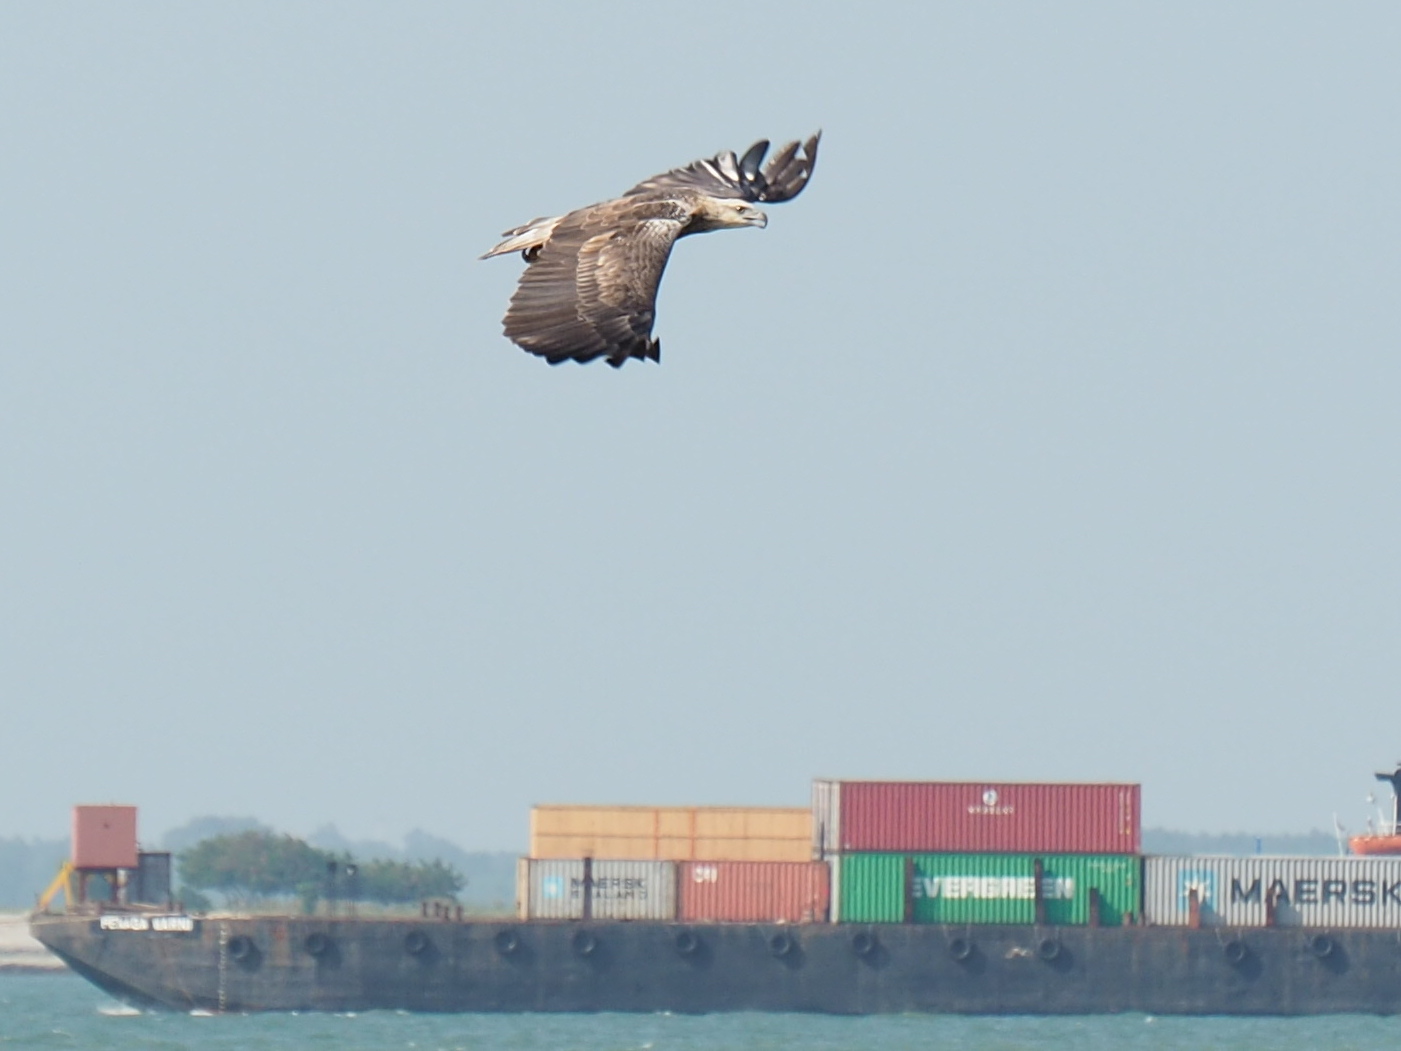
<point>303,964</point>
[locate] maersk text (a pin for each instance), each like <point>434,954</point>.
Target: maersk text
<point>1317,892</point>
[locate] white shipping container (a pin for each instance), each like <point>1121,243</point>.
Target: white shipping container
<point>1305,892</point>
<point>549,889</point>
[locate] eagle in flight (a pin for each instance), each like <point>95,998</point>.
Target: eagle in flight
<point>590,289</point>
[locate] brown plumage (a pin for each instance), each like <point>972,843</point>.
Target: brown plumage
<point>590,288</point>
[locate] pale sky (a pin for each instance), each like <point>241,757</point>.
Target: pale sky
<point>1052,433</point>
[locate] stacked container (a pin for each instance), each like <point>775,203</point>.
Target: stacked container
<point>611,890</point>
<point>1285,892</point>
<point>971,852</point>
<point>696,864</point>
<point>753,891</point>
<point>986,888</point>
<point>672,833</point>
<point>976,816</point>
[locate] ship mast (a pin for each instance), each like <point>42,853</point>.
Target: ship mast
<point>1394,780</point>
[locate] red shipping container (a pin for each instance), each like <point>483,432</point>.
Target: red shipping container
<point>976,816</point>
<point>104,837</point>
<point>753,891</point>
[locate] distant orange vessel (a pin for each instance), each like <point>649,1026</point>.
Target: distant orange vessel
<point>1388,840</point>
<point>1372,845</point>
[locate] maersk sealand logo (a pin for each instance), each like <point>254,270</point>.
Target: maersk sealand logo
<point>552,887</point>
<point>1201,881</point>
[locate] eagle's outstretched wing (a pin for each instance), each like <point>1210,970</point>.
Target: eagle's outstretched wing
<point>726,175</point>
<point>591,290</point>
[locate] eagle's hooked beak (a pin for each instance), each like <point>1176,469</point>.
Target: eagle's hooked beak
<point>756,218</point>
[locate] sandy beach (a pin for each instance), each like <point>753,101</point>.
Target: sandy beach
<point>20,952</point>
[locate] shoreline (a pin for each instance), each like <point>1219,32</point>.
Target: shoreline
<point>22,954</point>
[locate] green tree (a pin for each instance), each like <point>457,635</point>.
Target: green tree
<point>254,864</point>
<point>396,882</point>
<point>261,864</point>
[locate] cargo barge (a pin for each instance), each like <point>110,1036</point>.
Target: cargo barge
<point>305,964</point>
<point>884,897</point>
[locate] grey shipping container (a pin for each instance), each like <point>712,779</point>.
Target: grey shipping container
<point>551,889</point>
<point>1287,891</point>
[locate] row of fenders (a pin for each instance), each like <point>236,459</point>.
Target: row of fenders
<point>1056,890</point>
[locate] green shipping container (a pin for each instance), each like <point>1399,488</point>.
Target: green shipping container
<point>988,888</point>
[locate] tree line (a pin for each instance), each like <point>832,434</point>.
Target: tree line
<point>258,864</point>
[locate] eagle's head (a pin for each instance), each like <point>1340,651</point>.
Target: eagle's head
<point>720,213</point>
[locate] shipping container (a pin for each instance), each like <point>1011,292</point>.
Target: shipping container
<point>104,837</point>
<point>667,849</point>
<point>557,889</point>
<point>985,888</point>
<point>1285,892</point>
<point>672,833</point>
<point>975,816</point>
<point>753,891</point>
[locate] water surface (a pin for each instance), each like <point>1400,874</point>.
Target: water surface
<point>61,1011</point>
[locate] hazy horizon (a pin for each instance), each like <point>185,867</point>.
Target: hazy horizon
<point>331,834</point>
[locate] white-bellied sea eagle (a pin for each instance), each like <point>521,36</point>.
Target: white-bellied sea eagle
<point>590,287</point>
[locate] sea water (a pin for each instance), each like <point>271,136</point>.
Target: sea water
<point>62,1011</point>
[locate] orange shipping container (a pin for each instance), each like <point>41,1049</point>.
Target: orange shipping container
<point>753,892</point>
<point>646,848</point>
<point>672,833</point>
